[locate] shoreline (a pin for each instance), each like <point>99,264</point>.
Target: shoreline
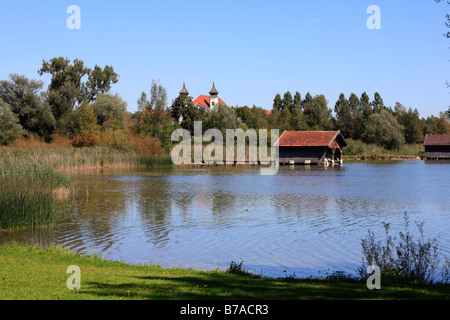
<point>104,280</point>
<point>382,158</point>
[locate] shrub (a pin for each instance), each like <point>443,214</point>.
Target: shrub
<point>237,269</point>
<point>409,260</point>
<point>147,146</point>
<point>84,139</point>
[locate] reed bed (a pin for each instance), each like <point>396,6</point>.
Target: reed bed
<point>27,194</point>
<point>32,180</point>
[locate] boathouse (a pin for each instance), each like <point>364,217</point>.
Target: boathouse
<point>311,147</point>
<point>437,146</point>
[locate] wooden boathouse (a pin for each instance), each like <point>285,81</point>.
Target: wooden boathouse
<point>311,147</point>
<point>437,146</point>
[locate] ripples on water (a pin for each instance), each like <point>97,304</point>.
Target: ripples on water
<point>305,220</point>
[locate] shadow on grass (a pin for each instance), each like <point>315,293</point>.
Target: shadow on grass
<point>232,287</point>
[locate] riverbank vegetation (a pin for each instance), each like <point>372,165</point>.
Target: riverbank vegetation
<point>33,273</point>
<point>29,194</point>
<point>77,109</point>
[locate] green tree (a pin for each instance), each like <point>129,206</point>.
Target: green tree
<point>110,107</point>
<point>192,114</point>
<point>317,114</point>
<point>68,89</point>
<point>384,130</point>
<point>277,103</point>
<point>158,96</point>
<point>180,106</point>
<point>223,118</point>
<point>298,122</point>
<point>285,120</point>
<point>297,100</point>
<point>10,128</point>
<point>287,102</point>
<point>156,119</point>
<point>87,119</point>
<point>377,103</point>
<point>356,117</point>
<point>143,102</point>
<point>411,122</point>
<point>343,116</point>
<point>26,100</point>
<point>247,117</point>
<point>366,108</point>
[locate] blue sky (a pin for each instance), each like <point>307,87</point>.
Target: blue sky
<point>251,49</point>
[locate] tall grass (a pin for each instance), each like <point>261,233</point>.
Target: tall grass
<point>27,194</point>
<point>29,176</point>
<point>361,149</point>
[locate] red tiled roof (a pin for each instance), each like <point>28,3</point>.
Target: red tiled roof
<point>437,140</point>
<point>309,138</point>
<point>267,112</point>
<point>204,101</point>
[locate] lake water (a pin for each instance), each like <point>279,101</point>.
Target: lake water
<point>306,221</point>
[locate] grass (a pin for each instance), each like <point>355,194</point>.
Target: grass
<point>33,273</point>
<point>372,151</point>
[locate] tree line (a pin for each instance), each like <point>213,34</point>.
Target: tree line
<point>358,118</point>
<point>78,105</point>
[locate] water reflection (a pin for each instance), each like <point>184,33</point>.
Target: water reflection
<point>303,220</point>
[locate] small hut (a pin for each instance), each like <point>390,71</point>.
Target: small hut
<point>311,147</point>
<point>437,146</point>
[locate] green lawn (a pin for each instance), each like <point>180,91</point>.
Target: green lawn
<point>32,273</point>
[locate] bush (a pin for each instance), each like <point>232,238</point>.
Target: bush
<point>237,269</point>
<point>409,260</point>
<point>147,146</point>
<point>84,139</point>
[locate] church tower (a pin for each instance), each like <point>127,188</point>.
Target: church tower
<point>213,98</point>
<point>184,91</point>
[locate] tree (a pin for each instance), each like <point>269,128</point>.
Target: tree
<point>366,108</point>
<point>247,117</point>
<point>285,119</point>
<point>143,102</point>
<point>180,107</point>
<point>27,102</point>
<point>191,114</point>
<point>384,130</point>
<point>377,103</point>
<point>297,100</point>
<point>356,117</point>
<point>343,115</point>
<point>156,120</point>
<point>410,121</point>
<point>222,118</point>
<point>288,102</point>
<point>87,119</point>
<point>67,90</point>
<point>110,107</point>
<point>10,128</point>
<point>317,114</point>
<point>158,96</point>
<point>298,122</point>
<point>277,103</point>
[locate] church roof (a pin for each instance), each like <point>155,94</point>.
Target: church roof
<point>204,101</point>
